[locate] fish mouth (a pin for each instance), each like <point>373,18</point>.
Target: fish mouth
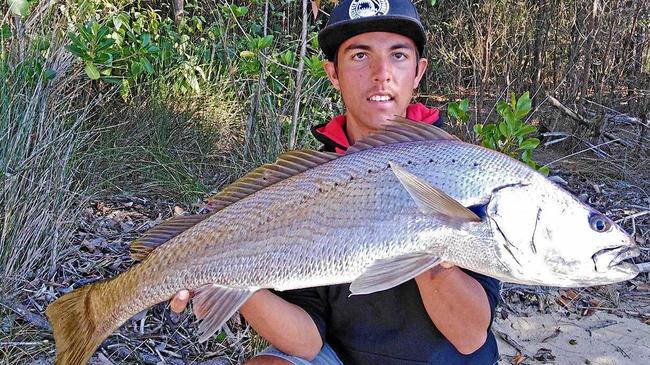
<point>608,258</point>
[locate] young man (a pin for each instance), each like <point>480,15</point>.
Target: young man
<point>442,316</point>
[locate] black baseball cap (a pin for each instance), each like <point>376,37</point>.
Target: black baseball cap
<point>352,17</point>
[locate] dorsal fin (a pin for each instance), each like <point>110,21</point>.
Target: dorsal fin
<point>288,164</point>
<point>401,130</point>
<point>156,236</point>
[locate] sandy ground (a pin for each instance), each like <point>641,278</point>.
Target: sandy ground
<point>601,338</point>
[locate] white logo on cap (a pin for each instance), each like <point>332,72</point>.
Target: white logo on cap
<point>365,8</point>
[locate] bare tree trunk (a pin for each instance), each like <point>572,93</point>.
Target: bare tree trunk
<point>540,30</point>
<point>251,122</point>
<point>571,93</point>
<point>601,75</point>
<point>592,33</point>
<point>301,67</point>
<point>629,42</point>
<point>178,6</point>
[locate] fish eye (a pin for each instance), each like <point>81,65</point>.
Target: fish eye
<point>599,223</point>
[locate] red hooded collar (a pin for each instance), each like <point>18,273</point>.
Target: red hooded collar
<point>333,135</point>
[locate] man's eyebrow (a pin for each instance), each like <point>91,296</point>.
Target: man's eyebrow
<point>357,46</point>
<point>366,47</point>
<point>401,45</point>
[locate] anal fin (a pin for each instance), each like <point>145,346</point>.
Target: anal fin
<point>390,272</point>
<point>214,304</point>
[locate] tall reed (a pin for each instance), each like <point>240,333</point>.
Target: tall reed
<point>40,119</point>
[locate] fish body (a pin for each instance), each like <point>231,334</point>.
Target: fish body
<point>374,217</point>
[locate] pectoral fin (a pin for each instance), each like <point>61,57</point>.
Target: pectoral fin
<point>387,273</point>
<point>214,305</point>
<point>429,199</point>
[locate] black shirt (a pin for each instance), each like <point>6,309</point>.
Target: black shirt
<point>387,327</point>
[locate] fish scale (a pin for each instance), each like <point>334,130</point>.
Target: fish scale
<point>376,217</point>
<point>352,226</point>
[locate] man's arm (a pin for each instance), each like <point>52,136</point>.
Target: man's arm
<point>458,306</point>
<point>285,325</point>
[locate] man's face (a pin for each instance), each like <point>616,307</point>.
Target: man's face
<point>376,73</point>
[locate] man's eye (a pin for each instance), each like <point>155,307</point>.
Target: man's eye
<point>359,56</point>
<point>400,55</point>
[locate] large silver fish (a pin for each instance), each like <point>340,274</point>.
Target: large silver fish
<point>392,207</point>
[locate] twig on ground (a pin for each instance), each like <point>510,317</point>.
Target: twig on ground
<point>635,215</point>
<point>33,343</point>
<point>591,148</point>
<point>35,319</point>
<point>582,120</point>
<point>512,342</point>
<point>644,266</point>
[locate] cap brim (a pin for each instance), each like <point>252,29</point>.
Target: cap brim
<point>331,37</point>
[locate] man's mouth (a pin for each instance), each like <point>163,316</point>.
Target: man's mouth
<point>381,98</point>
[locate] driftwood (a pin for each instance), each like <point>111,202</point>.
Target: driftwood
<point>584,121</point>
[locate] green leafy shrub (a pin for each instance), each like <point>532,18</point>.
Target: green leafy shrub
<point>459,111</point>
<point>510,134</point>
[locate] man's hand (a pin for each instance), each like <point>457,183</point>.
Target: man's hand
<point>285,325</point>
<point>457,305</point>
<point>179,301</point>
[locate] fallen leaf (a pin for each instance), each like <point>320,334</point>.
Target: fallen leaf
<point>573,341</point>
<point>555,334</point>
<point>90,246</point>
<point>518,359</point>
<point>571,294</point>
<point>564,302</point>
<point>594,304</point>
<point>315,4</point>
<point>640,240</point>
<point>103,359</point>
<point>642,287</point>
<point>179,211</point>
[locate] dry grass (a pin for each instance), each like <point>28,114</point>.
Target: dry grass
<point>157,335</point>
<point>106,227</point>
<point>39,142</point>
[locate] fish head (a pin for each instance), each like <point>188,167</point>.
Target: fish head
<point>548,237</point>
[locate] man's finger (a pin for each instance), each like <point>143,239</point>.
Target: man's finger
<point>446,265</point>
<point>179,301</point>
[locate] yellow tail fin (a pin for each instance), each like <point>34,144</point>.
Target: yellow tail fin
<point>80,324</point>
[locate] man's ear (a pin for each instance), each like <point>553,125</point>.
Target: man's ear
<point>330,70</point>
<point>422,67</point>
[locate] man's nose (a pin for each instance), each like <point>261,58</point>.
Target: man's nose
<point>382,72</point>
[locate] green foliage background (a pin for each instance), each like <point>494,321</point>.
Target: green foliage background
<point>107,96</point>
<point>102,98</point>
